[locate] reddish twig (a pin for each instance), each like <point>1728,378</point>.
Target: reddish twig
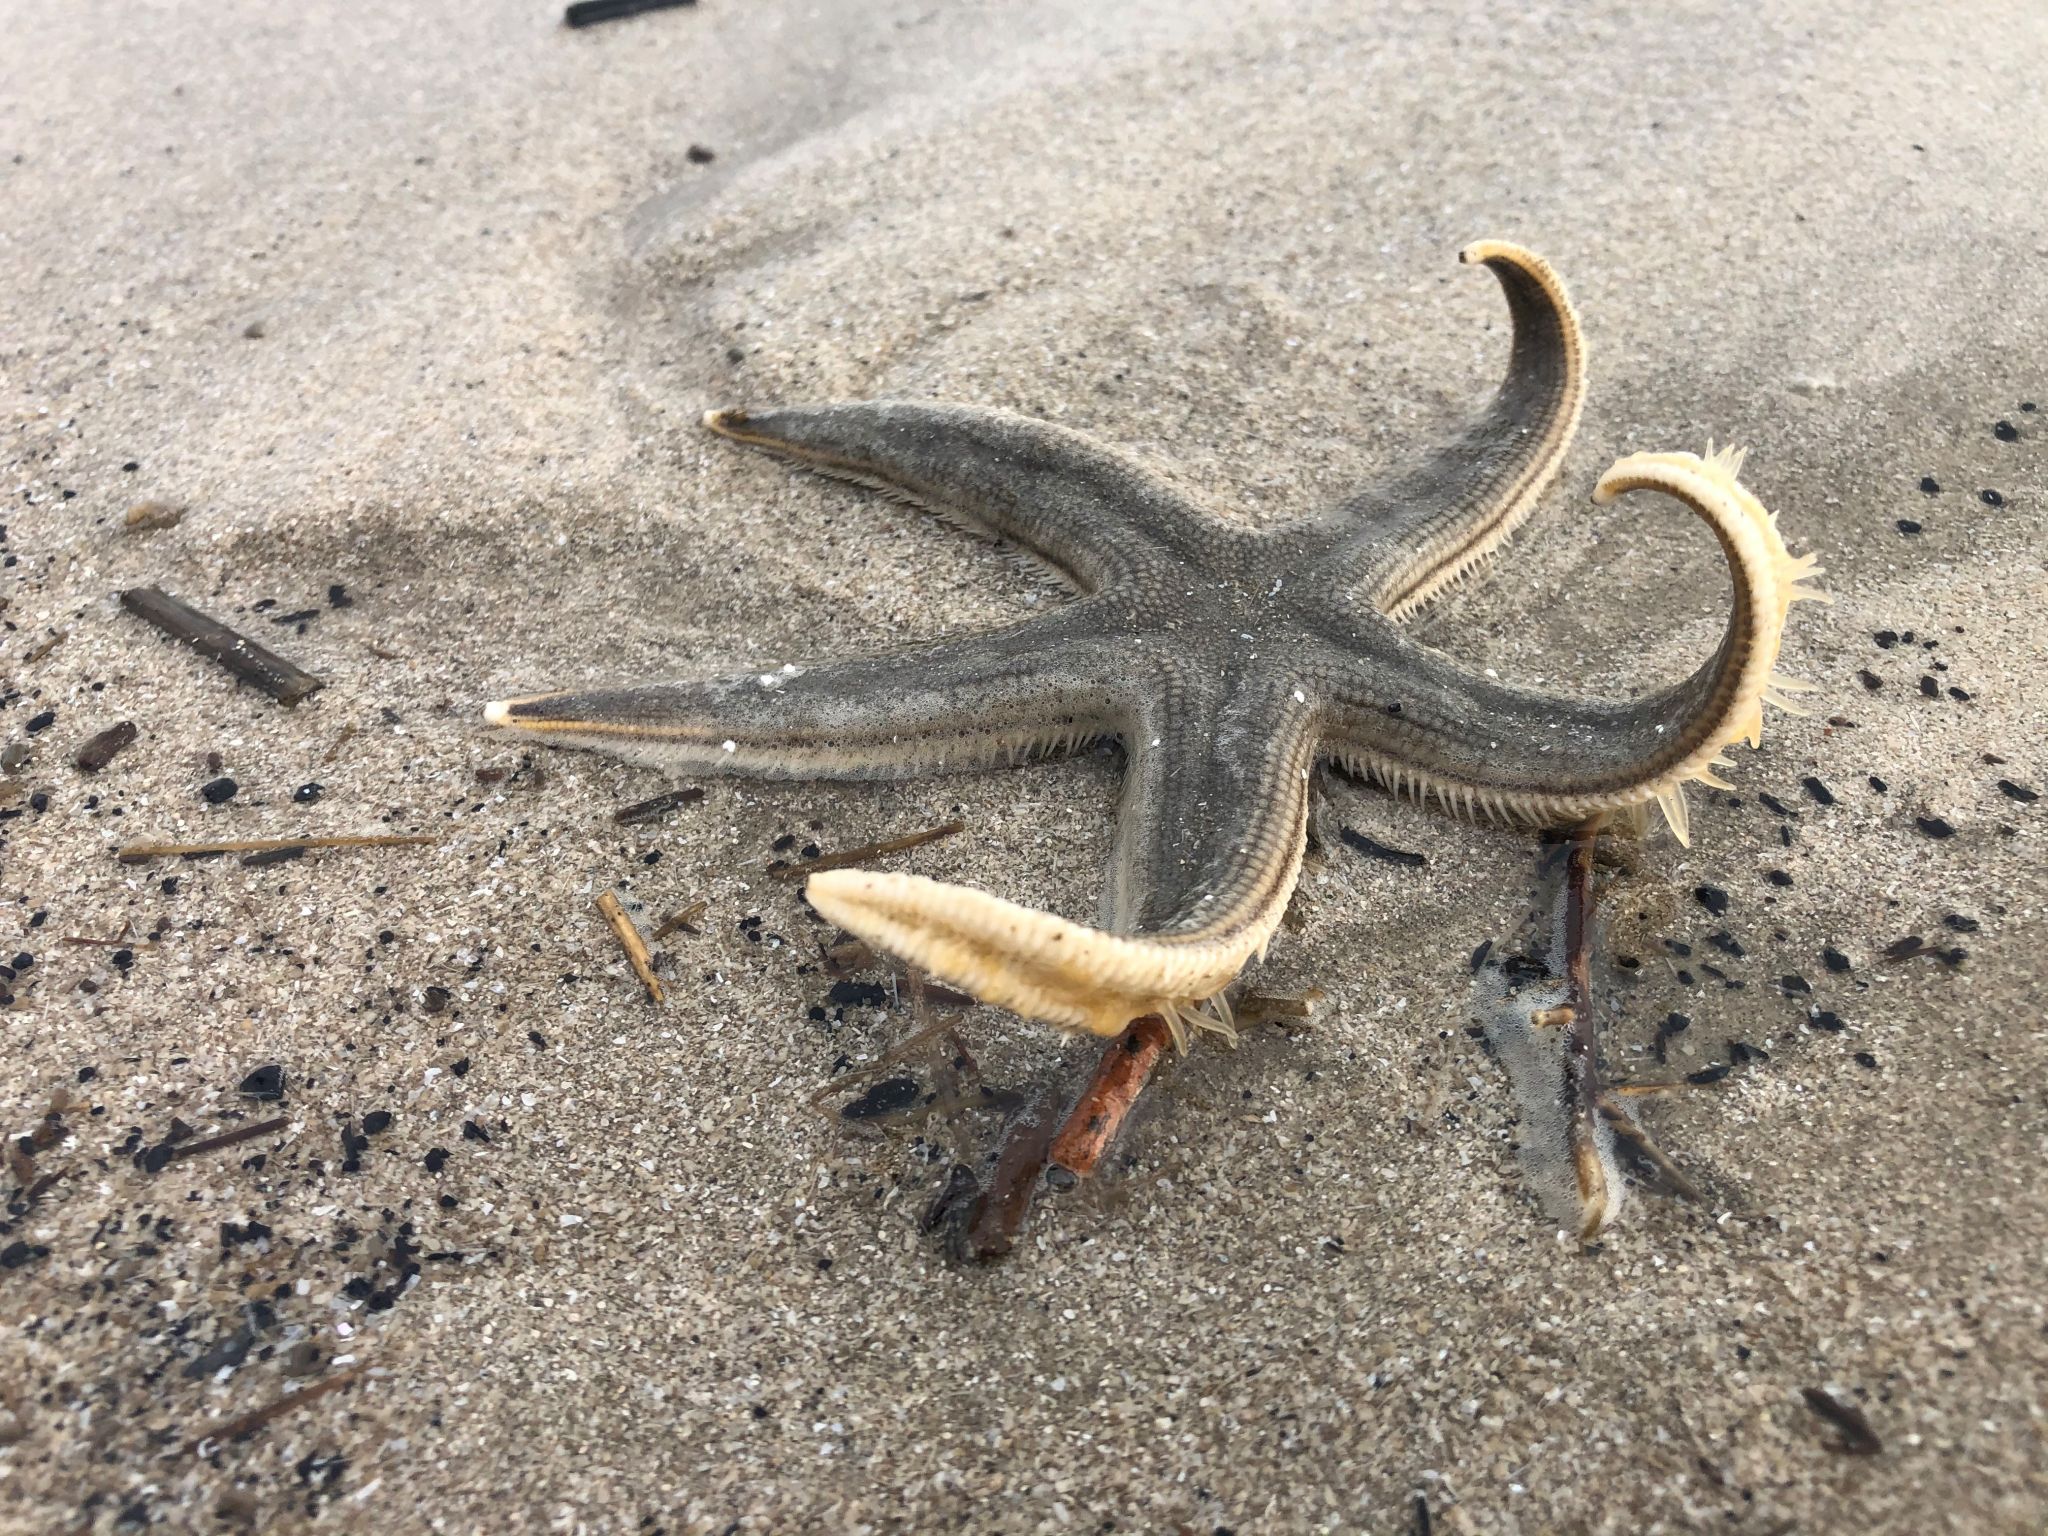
<point>1100,1112</point>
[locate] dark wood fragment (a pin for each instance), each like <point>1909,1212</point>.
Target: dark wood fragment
<point>589,13</point>
<point>998,1215</point>
<point>250,662</point>
<point>1858,1438</point>
<point>232,1138</point>
<point>866,851</point>
<point>100,750</point>
<point>659,806</point>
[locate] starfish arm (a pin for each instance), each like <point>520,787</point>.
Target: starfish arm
<point>1091,514</point>
<point>1428,725</point>
<point>1408,540</point>
<point>965,702</point>
<point>1209,846</point>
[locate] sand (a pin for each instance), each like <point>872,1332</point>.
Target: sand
<point>425,307</point>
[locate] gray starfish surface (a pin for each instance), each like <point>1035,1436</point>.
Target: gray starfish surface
<point>1228,662</point>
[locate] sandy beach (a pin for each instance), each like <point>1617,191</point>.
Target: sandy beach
<point>404,321</point>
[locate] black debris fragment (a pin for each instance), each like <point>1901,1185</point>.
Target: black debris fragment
<point>589,13</point>
<point>265,1083</point>
<point>1374,850</point>
<point>890,1096</point>
<point>1712,897</point>
<point>858,994</point>
<point>1934,826</point>
<point>2018,792</point>
<point>218,791</point>
<point>1817,791</point>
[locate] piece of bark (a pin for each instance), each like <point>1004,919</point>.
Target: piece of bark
<point>100,750</point>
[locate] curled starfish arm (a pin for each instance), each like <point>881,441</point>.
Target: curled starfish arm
<point>971,701</point>
<point>1090,514</point>
<point>1432,727</point>
<point>1405,541</point>
<point>1208,850</point>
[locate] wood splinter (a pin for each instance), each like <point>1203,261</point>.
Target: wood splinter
<point>853,856</point>
<point>242,1424</point>
<point>142,853</point>
<point>250,662</point>
<point>680,920</point>
<point>631,942</point>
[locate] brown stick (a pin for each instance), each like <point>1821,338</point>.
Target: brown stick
<point>142,853</point>
<point>232,1138</point>
<point>631,942</point>
<point>242,1424</point>
<point>861,855</point>
<point>680,920</point>
<point>999,1214</point>
<point>1101,1111</point>
<point>659,806</point>
<point>47,646</point>
<point>242,656</point>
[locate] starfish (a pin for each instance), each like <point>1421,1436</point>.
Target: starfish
<point>1228,662</point>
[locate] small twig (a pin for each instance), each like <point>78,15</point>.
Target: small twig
<point>1626,1128</point>
<point>1100,1113</point>
<point>47,646</point>
<point>232,1138</point>
<point>861,855</point>
<point>142,853</point>
<point>347,734</point>
<point>588,13</point>
<point>1582,1048</point>
<point>631,942</point>
<point>85,943</point>
<point>894,1056</point>
<point>33,1195</point>
<point>998,1215</point>
<point>660,805</point>
<point>1858,1438</point>
<point>679,921</point>
<point>242,656</point>
<point>241,1425</point>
